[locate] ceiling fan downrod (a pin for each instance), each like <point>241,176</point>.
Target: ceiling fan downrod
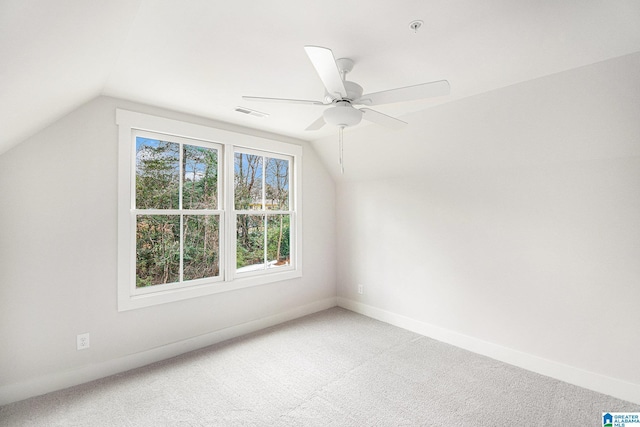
<point>341,148</point>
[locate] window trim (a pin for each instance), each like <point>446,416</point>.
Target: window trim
<point>180,210</point>
<point>263,212</point>
<point>128,123</point>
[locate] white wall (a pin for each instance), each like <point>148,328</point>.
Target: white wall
<point>511,218</point>
<point>58,261</point>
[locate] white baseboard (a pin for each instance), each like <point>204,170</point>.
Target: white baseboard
<point>60,380</point>
<point>589,380</point>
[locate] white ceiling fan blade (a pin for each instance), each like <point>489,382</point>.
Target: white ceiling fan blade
<point>382,119</point>
<point>409,93</point>
<point>284,100</point>
<point>317,124</point>
<point>325,64</point>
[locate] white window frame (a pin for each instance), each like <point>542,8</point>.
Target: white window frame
<point>177,211</point>
<point>131,123</point>
<point>263,211</point>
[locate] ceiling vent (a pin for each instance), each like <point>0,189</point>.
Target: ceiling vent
<point>251,112</point>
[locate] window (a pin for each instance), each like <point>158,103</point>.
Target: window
<point>176,211</point>
<point>262,211</point>
<point>202,210</point>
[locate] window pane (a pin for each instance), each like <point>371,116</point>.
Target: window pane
<point>200,178</point>
<point>157,174</point>
<point>157,249</point>
<point>278,238</point>
<point>248,181</point>
<point>250,242</point>
<point>277,184</point>
<point>201,246</point>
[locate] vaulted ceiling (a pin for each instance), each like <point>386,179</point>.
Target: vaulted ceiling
<point>201,56</point>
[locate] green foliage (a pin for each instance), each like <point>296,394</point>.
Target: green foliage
<point>157,249</point>
<point>158,237</point>
<point>261,184</point>
<point>251,173</point>
<point>250,240</point>
<point>200,178</point>
<point>157,175</point>
<point>201,242</point>
<point>278,238</point>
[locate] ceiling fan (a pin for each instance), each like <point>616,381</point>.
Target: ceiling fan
<point>342,95</point>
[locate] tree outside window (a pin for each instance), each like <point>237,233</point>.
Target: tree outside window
<point>263,216</point>
<point>177,235</point>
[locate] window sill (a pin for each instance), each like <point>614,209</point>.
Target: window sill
<point>133,302</point>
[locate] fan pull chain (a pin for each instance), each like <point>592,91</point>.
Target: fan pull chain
<point>341,150</point>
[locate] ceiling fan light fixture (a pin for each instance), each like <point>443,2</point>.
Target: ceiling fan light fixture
<point>342,115</point>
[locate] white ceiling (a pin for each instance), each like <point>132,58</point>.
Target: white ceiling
<point>201,56</point>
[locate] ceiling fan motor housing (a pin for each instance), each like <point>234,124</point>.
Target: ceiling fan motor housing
<point>342,115</point>
<point>354,90</point>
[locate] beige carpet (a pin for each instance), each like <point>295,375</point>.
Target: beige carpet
<point>334,368</point>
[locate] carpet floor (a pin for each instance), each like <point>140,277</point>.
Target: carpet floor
<point>333,368</point>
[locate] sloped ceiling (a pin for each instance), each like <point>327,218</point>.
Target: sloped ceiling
<point>201,56</point>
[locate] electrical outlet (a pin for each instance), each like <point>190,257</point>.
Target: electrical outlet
<point>361,289</point>
<point>83,341</point>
